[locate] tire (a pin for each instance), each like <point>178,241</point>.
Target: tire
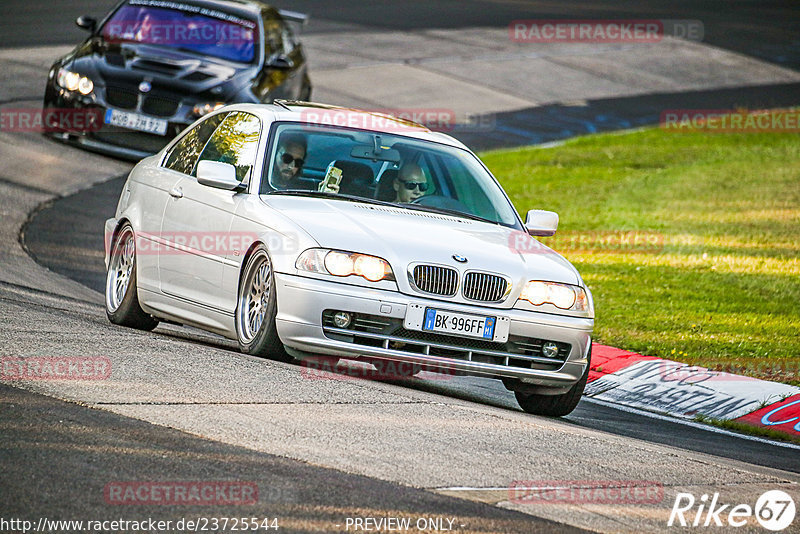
<point>122,301</point>
<point>554,405</point>
<point>256,308</point>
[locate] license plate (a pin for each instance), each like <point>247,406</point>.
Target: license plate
<point>135,121</point>
<point>447,322</point>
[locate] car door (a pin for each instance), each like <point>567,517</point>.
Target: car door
<point>179,162</point>
<point>198,218</point>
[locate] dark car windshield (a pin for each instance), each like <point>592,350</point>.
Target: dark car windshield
<point>185,27</point>
<point>385,168</point>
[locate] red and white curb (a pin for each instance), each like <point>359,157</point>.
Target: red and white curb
<point>686,391</point>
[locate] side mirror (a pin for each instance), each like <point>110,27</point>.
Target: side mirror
<point>86,22</point>
<point>280,61</point>
<point>541,223</point>
<point>218,175</point>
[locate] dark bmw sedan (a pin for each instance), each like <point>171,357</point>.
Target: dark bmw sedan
<point>152,67</point>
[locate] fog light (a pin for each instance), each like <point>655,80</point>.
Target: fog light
<point>550,350</point>
<point>342,319</point>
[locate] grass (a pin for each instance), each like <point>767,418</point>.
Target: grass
<point>746,428</point>
<point>719,286</point>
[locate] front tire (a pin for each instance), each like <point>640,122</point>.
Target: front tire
<point>554,405</point>
<point>257,307</point>
<point>122,301</point>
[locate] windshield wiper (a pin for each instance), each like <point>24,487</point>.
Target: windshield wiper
<point>365,200</point>
<point>331,196</point>
<point>446,211</point>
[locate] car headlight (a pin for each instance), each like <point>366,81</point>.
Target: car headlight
<point>563,296</point>
<point>72,81</point>
<point>339,263</point>
<point>206,108</point>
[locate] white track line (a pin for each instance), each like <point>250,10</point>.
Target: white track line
<point>694,424</point>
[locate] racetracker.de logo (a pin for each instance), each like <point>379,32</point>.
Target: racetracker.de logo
<point>180,493</point>
<point>179,32</point>
<point>200,243</point>
<point>55,368</point>
<point>595,241</point>
<point>50,120</point>
<point>603,31</point>
<point>385,371</point>
<point>730,121</point>
<point>586,492</point>
<point>391,120</point>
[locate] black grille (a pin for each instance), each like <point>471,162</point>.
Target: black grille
<point>121,98</point>
<point>376,331</point>
<point>160,107</point>
<point>484,287</point>
<point>436,280</point>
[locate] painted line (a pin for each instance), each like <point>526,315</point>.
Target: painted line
<point>693,424</point>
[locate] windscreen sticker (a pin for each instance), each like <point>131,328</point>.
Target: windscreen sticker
<point>188,8</point>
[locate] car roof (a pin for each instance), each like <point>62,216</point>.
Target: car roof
<point>325,114</point>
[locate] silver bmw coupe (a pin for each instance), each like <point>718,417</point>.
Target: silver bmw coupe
<point>306,231</point>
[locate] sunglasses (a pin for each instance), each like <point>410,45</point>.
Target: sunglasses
<point>423,186</point>
<point>288,158</point>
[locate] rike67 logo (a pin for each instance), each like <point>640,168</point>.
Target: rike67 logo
<point>774,510</point>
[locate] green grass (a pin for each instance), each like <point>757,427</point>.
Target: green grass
<point>746,428</point>
<point>722,287</point>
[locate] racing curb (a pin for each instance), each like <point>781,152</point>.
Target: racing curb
<point>687,391</point>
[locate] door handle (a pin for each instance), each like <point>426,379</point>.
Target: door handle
<point>176,192</point>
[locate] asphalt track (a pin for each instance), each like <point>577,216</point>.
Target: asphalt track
<point>71,254</point>
<point>70,451</point>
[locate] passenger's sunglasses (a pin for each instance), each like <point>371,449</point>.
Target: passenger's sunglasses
<point>288,159</point>
<point>413,185</point>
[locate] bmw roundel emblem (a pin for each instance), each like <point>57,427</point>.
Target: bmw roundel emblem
<point>145,87</point>
<point>459,258</point>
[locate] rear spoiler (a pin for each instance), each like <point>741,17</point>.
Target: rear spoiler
<point>293,16</point>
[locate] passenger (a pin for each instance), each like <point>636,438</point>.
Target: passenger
<point>410,183</point>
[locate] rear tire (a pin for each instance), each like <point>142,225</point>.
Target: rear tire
<point>554,405</point>
<point>122,301</point>
<point>257,307</point>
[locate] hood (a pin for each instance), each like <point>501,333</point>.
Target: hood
<point>128,64</point>
<point>403,236</point>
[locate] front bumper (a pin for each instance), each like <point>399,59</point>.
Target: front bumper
<point>113,140</point>
<point>303,301</point>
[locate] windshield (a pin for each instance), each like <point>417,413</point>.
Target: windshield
<point>182,26</point>
<point>371,166</point>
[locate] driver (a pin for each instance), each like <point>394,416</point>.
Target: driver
<point>410,183</point>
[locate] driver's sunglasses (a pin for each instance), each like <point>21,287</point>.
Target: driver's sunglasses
<point>423,186</point>
<point>288,159</point>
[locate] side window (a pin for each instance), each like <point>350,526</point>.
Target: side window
<point>236,142</point>
<point>183,155</point>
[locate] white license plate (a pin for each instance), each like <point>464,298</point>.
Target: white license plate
<point>447,322</point>
<point>135,121</point>
<point>427,319</point>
